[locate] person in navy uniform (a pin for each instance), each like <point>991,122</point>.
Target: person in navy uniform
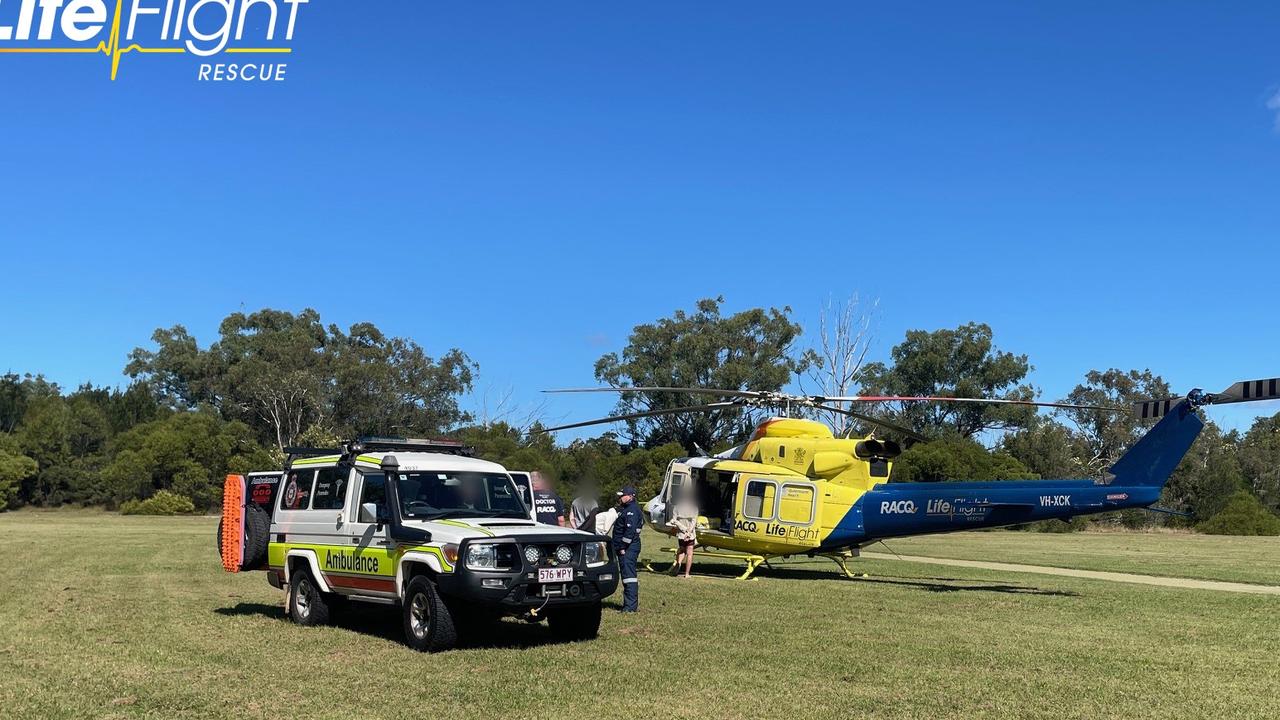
<point>626,544</point>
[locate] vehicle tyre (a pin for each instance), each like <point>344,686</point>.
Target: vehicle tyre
<point>428,624</point>
<point>575,623</point>
<point>257,533</point>
<point>218,538</point>
<point>308,606</point>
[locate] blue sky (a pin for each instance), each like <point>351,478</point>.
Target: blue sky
<point>527,181</point>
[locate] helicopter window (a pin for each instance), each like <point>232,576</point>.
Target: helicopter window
<point>796,504</point>
<point>679,486</point>
<point>758,501</point>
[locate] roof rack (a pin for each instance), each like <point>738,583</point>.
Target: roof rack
<point>375,444</point>
<point>452,447</point>
<point>294,452</point>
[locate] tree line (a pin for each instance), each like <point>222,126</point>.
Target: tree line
<point>271,379</point>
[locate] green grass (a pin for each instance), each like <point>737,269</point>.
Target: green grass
<point>109,616</point>
<point>1203,557</point>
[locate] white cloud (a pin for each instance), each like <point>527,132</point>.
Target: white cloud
<point>1273,104</point>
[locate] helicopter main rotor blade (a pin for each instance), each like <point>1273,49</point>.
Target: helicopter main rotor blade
<point>989,401</point>
<point>648,413</point>
<point>877,422</point>
<point>692,391</point>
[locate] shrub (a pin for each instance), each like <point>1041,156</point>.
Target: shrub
<point>162,503</point>
<point>1242,515</point>
<point>1075,524</point>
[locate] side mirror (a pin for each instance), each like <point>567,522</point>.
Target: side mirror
<point>369,513</point>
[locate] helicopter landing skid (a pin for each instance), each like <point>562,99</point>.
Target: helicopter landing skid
<point>752,561</point>
<point>841,559</point>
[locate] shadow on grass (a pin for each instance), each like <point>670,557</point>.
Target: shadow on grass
<point>945,585</point>
<point>385,622</point>
<point>816,571</point>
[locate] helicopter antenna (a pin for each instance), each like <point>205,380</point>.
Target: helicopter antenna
<point>886,547</point>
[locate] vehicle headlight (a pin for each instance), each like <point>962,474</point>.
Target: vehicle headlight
<point>564,554</point>
<point>482,557</point>
<point>595,553</point>
<point>533,554</point>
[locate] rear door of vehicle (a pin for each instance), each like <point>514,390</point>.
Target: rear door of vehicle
<point>310,511</point>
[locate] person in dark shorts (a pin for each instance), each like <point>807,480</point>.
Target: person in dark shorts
<point>684,518</point>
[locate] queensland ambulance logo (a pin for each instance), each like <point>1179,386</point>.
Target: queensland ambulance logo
<point>256,34</point>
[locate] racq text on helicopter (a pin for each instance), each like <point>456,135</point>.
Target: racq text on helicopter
<point>795,488</point>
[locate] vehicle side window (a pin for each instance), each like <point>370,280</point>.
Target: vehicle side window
<point>331,489</point>
<point>796,504</point>
<point>374,490</point>
<point>758,503</point>
<point>297,489</point>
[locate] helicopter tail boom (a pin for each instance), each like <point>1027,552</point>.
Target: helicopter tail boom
<point>1134,481</point>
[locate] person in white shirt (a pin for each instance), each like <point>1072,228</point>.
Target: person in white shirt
<point>685,521</point>
<point>583,505</point>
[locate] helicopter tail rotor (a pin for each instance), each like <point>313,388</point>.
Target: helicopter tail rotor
<point>1244,391</point>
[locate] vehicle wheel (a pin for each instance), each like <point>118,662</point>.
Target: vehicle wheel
<point>576,623</point>
<point>308,606</point>
<point>428,624</point>
<point>218,538</point>
<point>257,533</point>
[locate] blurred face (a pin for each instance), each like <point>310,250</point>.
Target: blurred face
<point>470,491</point>
<point>539,482</point>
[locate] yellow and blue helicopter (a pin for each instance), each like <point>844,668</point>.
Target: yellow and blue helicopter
<point>796,489</point>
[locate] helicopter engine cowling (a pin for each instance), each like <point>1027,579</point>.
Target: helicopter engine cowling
<point>827,464</point>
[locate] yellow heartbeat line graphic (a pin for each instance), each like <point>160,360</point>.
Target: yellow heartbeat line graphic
<point>111,47</point>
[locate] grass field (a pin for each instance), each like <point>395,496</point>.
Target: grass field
<point>109,616</point>
<point>1204,557</point>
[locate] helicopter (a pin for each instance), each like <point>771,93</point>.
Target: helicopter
<point>794,488</point>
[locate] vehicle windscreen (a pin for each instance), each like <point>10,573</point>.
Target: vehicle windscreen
<point>433,495</point>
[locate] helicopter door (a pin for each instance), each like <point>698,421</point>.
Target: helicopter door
<point>678,484</point>
<point>798,514</point>
<point>777,511</point>
<point>755,509</point>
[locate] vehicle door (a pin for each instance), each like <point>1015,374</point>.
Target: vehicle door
<point>371,567</point>
<point>525,487</point>
<point>300,519</point>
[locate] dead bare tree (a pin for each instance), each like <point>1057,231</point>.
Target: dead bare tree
<point>503,408</point>
<point>835,364</point>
